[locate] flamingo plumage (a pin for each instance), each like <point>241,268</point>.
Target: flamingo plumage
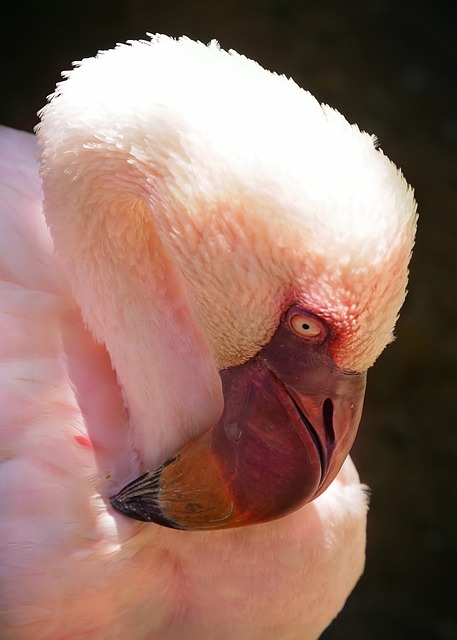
<point>190,207</point>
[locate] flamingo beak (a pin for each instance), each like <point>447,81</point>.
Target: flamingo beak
<point>289,420</point>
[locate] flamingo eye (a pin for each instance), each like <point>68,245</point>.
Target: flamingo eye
<point>306,326</point>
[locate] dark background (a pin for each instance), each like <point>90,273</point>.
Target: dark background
<point>390,66</point>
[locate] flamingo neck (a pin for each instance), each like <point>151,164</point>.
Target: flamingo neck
<point>132,297</point>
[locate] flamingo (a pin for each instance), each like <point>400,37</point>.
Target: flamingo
<point>193,286</point>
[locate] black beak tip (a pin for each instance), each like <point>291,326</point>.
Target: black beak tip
<point>116,503</point>
<point>141,510</point>
<point>131,508</point>
<point>127,507</point>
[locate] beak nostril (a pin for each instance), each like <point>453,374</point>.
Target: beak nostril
<point>327,410</point>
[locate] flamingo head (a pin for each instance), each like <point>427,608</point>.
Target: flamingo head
<point>291,232</point>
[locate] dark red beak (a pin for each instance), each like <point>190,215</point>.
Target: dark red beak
<point>289,421</point>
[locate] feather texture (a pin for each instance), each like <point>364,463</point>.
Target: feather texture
<point>189,195</point>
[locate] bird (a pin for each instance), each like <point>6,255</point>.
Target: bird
<point>199,262</point>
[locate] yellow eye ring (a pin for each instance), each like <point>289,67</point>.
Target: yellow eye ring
<point>306,326</point>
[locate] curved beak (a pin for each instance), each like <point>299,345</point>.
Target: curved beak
<point>289,420</point>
